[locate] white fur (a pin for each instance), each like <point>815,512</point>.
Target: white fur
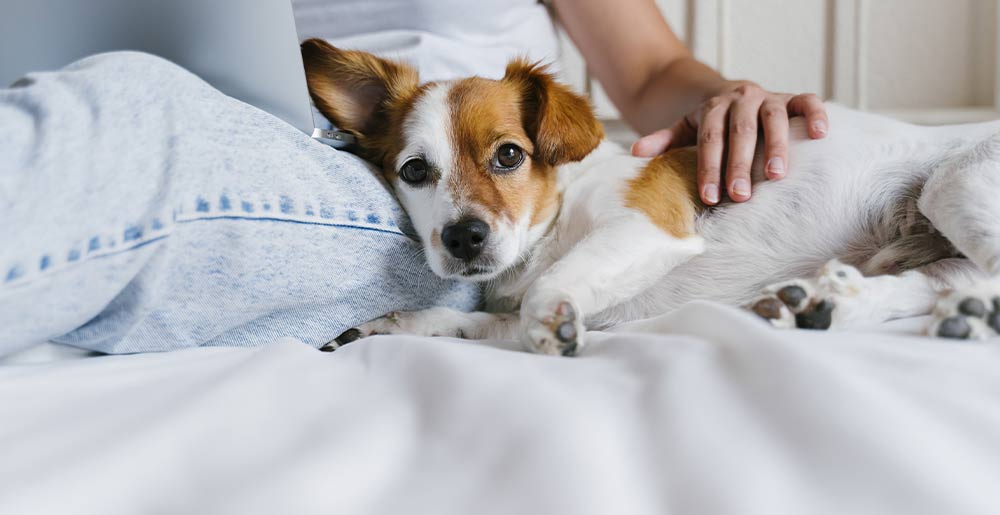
<point>428,135</point>
<point>864,195</point>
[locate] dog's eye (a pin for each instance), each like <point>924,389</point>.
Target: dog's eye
<point>509,157</point>
<point>414,171</point>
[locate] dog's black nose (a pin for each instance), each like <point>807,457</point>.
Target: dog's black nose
<point>465,239</point>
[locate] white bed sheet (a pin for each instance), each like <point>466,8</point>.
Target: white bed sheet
<point>723,415</point>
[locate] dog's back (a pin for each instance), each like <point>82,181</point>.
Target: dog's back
<point>508,190</point>
<point>850,196</point>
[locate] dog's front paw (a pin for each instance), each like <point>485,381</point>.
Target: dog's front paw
<point>555,329</point>
<point>969,314</point>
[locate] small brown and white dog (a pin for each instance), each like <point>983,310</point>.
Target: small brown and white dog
<point>509,184</point>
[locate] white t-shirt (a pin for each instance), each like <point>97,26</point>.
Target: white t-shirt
<point>444,39</point>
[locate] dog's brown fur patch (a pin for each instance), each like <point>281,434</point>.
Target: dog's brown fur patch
<point>363,94</point>
<point>560,122</point>
<point>665,191</point>
<point>527,107</point>
<point>486,114</point>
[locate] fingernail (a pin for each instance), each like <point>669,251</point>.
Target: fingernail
<point>711,193</point>
<point>819,127</point>
<point>776,167</point>
<point>741,187</point>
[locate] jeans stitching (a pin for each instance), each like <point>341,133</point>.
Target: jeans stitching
<point>134,236</point>
<point>294,221</point>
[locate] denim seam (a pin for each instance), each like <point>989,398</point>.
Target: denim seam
<point>139,235</point>
<point>284,207</point>
<point>291,220</point>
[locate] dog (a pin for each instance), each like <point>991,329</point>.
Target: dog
<point>510,184</point>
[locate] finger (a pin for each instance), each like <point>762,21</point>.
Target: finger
<point>685,134</point>
<point>742,143</point>
<point>812,108</point>
<point>711,142</point>
<point>653,144</point>
<point>774,119</point>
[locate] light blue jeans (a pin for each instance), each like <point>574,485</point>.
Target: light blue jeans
<point>143,210</point>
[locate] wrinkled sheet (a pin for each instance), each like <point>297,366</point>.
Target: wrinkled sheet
<point>703,411</point>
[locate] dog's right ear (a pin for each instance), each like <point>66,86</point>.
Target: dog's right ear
<point>560,122</point>
<point>354,89</point>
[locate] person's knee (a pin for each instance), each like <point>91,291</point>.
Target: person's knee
<point>130,59</point>
<point>153,71</point>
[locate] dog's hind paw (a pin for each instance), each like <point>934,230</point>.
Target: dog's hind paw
<point>812,303</point>
<point>346,337</point>
<point>380,325</point>
<point>396,322</point>
<point>557,331</point>
<point>968,314</point>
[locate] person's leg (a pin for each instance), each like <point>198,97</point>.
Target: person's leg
<point>140,209</point>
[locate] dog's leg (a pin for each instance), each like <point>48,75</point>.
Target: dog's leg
<point>438,321</point>
<point>840,297</point>
<point>614,263</point>
<point>960,200</point>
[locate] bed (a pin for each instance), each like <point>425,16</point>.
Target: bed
<point>704,410</point>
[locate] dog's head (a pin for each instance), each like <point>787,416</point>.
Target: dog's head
<point>472,161</point>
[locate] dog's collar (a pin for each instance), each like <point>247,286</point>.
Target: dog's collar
<point>335,138</point>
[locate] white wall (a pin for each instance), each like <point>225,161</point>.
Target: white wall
<point>928,61</point>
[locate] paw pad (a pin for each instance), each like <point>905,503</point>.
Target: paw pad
<point>966,315</point>
<point>566,332</point>
<point>956,327</point>
<point>792,296</point>
<point>828,299</point>
<point>795,306</point>
<point>819,316</point>
<point>557,332</point>
<point>768,308</point>
<point>972,307</point>
<point>563,327</point>
<point>569,350</point>
<point>565,309</point>
<point>993,320</point>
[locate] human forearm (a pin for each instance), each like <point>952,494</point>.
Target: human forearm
<point>655,82</point>
<point>669,93</point>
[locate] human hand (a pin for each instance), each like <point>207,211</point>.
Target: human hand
<point>737,111</point>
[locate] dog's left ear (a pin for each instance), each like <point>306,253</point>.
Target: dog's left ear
<point>560,122</point>
<point>355,90</point>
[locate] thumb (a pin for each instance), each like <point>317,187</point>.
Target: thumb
<point>653,144</point>
<point>683,133</point>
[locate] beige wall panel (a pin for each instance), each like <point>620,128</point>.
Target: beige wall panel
<point>780,44</point>
<point>930,61</point>
<point>930,53</point>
